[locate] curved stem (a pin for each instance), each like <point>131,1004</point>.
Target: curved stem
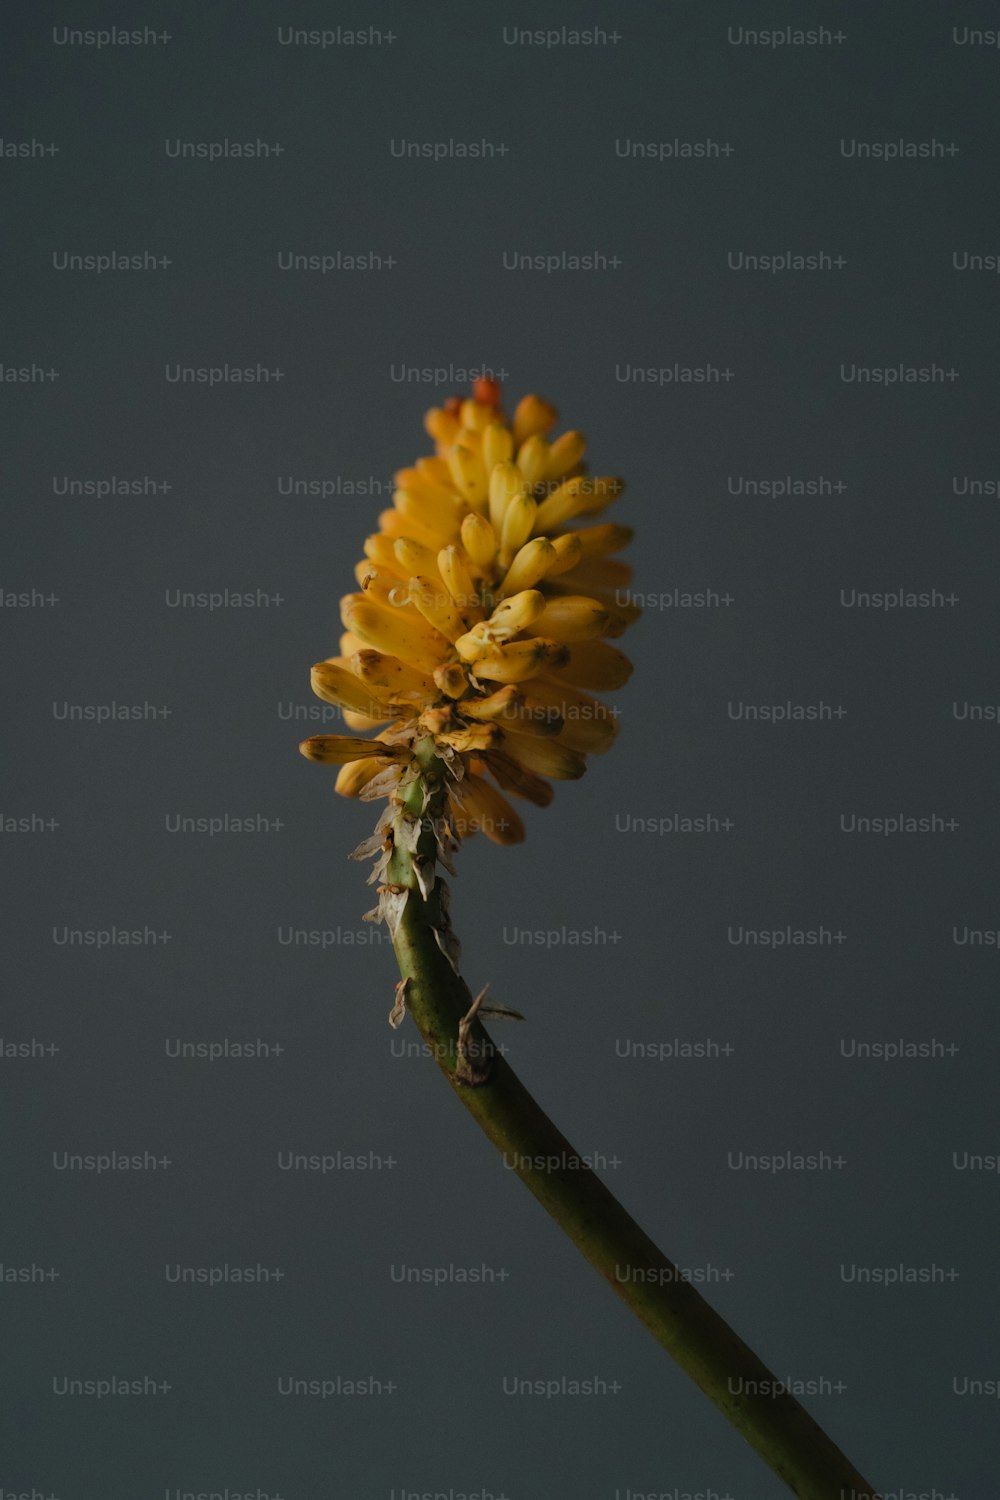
<point>783,1433</point>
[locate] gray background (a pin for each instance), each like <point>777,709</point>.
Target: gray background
<point>230,677</point>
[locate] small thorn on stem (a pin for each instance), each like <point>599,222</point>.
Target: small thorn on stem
<point>469,1069</point>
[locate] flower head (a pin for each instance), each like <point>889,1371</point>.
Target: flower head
<point>482,621</point>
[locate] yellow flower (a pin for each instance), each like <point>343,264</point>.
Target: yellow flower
<point>482,621</point>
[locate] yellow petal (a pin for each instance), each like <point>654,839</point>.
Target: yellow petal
<point>389,593</point>
<point>585,723</point>
<point>364,723</point>
<point>393,524</point>
<point>442,426</point>
<point>506,483</point>
<point>480,542</point>
<point>599,573</point>
<point>518,523</point>
<point>353,777</point>
<point>533,459</point>
<point>564,454</point>
<point>380,551</point>
<point>390,632</point>
<point>518,612</point>
<point>529,718</point>
<point>569,702</point>
<point>498,446</point>
<point>514,777</point>
<point>436,512</point>
<point>532,415</point>
<point>529,567</point>
<point>580,496</point>
<point>416,557</point>
<point>335,683</point>
<point>435,603</point>
<point>469,476</point>
<point>546,757</point>
<point>338,749</point>
<point>476,415</point>
<point>568,554</point>
<point>487,810</point>
<point>589,736</point>
<point>620,609</point>
<point>572,617</point>
<point>436,471</point>
<point>474,644</point>
<point>520,660</point>
<point>454,569</point>
<point>600,541</point>
<point>499,705</point>
<point>393,678</point>
<point>595,665</point>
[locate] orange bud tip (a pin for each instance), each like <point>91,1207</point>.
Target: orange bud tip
<point>486,391</point>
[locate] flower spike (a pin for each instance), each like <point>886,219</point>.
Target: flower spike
<point>480,582</point>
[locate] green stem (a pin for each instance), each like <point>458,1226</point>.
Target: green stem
<point>781,1431</point>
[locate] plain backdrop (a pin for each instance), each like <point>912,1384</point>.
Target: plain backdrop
<point>223,692</point>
